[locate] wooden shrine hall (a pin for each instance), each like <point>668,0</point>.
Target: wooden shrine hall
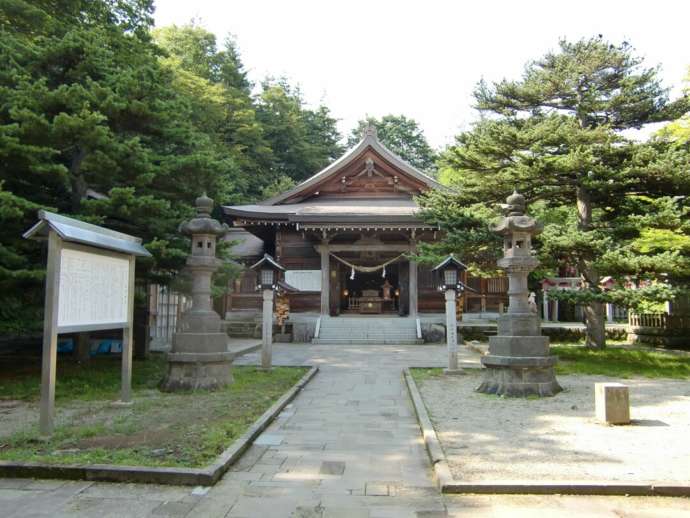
<point>343,236</point>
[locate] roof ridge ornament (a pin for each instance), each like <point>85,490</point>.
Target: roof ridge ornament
<point>370,131</point>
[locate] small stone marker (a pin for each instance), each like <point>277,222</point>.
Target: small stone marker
<point>612,403</point>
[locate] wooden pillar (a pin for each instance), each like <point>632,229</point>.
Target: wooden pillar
<point>413,282</point>
<point>545,306</point>
<point>50,319</point>
<point>325,279</point>
<point>82,347</point>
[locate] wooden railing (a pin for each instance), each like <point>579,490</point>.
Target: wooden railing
<point>659,320</point>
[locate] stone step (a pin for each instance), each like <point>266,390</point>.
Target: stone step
<point>368,331</point>
<point>364,341</point>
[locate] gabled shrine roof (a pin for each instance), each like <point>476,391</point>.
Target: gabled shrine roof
<point>369,140</point>
<point>304,203</point>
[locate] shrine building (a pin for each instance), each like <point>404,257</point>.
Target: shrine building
<point>343,236</point>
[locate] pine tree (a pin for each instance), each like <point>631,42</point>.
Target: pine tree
<point>555,135</point>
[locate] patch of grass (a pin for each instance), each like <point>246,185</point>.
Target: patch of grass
<point>621,363</point>
<point>421,374</point>
<point>99,378</point>
<point>187,429</point>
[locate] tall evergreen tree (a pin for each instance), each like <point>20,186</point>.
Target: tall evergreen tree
<point>555,135</point>
<point>303,140</point>
<point>86,111</point>
<point>217,87</point>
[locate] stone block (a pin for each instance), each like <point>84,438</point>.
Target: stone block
<point>511,324</point>
<point>612,403</point>
<point>200,342</point>
<point>519,345</point>
<point>196,375</point>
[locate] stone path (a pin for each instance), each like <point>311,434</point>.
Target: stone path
<point>348,446</point>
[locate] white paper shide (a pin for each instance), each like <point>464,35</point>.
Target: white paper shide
<point>93,289</point>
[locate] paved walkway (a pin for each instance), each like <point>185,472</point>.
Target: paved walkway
<point>348,446</point>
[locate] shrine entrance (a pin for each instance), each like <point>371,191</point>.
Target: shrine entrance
<point>369,293</point>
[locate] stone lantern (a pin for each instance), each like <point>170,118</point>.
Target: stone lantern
<point>518,363</point>
<point>199,358</point>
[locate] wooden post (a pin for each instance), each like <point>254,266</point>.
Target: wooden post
<point>82,347</point>
<point>50,320</point>
<point>413,282</point>
<point>127,336</point>
<point>325,279</point>
<point>267,330</point>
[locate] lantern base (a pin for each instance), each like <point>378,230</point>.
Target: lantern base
<point>513,376</point>
<point>193,371</point>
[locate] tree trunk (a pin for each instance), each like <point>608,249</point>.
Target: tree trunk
<point>595,314</point>
<point>77,181</point>
<point>595,320</point>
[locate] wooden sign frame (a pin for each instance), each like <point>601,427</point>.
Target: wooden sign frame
<point>69,234</point>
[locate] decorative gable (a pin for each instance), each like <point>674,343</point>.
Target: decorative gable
<point>367,170</point>
<point>369,175</point>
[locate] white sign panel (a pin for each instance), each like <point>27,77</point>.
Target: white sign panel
<point>93,289</point>
<point>304,280</point>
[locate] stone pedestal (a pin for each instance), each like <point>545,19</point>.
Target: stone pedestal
<point>518,363</point>
<point>198,361</point>
<point>199,358</point>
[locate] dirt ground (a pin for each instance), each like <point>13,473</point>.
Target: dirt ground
<point>491,438</point>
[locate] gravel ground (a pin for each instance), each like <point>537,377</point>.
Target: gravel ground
<point>489,438</point>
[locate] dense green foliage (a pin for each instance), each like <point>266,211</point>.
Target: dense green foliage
<point>106,120</point>
<point>611,206</point>
<point>401,135</point>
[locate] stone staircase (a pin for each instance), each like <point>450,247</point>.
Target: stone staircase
<point>348,330</point>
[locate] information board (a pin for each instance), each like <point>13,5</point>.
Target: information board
<point>93,289</point>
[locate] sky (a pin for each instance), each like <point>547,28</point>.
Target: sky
<point>424,58</point>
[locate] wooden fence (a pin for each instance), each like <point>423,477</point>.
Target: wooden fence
<point>659,320</point>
